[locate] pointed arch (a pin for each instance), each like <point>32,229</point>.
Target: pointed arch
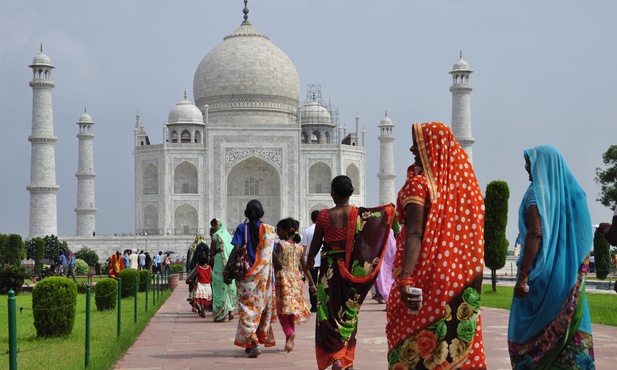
<point>185,137</point>
<point>151,220</point>
<point>354,174</point>
<point>320,176</point>
<point>253,178</point>
<point>174,136</point>
<point>198,137</point>
<point>186,179</point>
<point>185,220</point>
<point>150,180</point>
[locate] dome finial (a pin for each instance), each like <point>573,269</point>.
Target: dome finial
<point>386,113</point>
<point>41,47</point>
<point>246,11</point>
<point>85,111</point>
<point>461,54</point>
<point>185,93</point>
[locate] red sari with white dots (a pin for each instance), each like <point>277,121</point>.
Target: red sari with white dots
<point>447,332</point>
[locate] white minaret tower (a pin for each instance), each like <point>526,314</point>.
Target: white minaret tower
<point>43,187</point>
<point>85,178</point>
<point>387,192</point>
<point>461,105</point>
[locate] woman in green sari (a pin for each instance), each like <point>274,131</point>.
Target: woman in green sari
<point>223,295</point>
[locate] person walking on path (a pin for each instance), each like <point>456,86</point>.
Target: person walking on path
<point>550,326</point>
<point>142,260</point>
<point>203,288</point>
<point>71,266</point>
<point>291,307</point>
<point>307,237</point>
<point>63,264</point>
<point>433,318</point>
<point>354,241</point>
<point>255,297</point>
<point>223,295</point>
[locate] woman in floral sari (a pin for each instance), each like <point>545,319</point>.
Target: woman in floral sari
<point>255,297</point>
<point>550,327</point>
<point>223,295</point>
<point>116,264</point>
<point>354,241</point>
<point>434,305</point>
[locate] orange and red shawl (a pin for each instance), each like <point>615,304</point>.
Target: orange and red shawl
<point>449,268</point>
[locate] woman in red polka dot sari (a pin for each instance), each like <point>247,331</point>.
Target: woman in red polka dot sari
<point>440,250</point>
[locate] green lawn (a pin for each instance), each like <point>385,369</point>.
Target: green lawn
<point>601,306</point>
<point>106,348</point>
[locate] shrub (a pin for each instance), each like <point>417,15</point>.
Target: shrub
<point>602,252</point>
<point>53,306</point>
<point>105,294</point>
<point>82,287</point>
<point>175,268</point>
<point>81,267</point>
<point>128,281</point>
<point>88,255</point>
<point>12,277</point>
<point>12,249</point>
<point>144,275</point>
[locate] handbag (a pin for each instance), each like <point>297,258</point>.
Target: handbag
<point>237,267</point>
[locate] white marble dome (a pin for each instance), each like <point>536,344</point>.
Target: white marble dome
<point>41,59</point>
<point>386,121</point>
<point>247,76</point>
<point>460,65</point>
<point>315,113</point>
<point>185,113</point>
<point>85,118</point>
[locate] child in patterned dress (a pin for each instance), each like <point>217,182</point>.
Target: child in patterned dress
<point>291,267</point>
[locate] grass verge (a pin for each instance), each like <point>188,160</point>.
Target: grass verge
<point>106,348</point>
<point>601,305</point>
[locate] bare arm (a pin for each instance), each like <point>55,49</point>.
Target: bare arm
<point>304,267</point>
<point>315,245</point>
<point>191,275</point>
<point>276,261</point>
<point>415,220</point>
<point>530,249</point>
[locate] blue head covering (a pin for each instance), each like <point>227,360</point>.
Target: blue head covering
<point>566,242</point>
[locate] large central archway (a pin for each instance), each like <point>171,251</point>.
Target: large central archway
<point>253,178</point>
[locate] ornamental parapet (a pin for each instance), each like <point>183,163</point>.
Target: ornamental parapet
<point>43,188</point>
<point>42,139</point>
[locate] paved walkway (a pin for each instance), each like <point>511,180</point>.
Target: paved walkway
<point>176,338</point>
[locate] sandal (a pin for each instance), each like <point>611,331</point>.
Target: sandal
<point>337,365</point>
<point>254,352</point>
<point>231,316</point>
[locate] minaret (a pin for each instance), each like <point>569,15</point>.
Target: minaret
<point>387,192</point>
<point>85,178</point>
<point>461,105</point>
<point>43,187</point>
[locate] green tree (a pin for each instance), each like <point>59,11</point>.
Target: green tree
<point>495,222</point>
<point>602,254</point>
<point>607,178</point>
<point>88,255</point>
<point>12,249</point>
<point>35,250</point>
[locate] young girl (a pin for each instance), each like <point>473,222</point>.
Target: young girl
<point>203,290</point>
<point>291,307</point>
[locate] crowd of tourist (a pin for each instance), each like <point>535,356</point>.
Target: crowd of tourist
<point>423,258</point>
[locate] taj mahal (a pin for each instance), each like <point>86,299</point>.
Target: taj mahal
<point>247,134</point>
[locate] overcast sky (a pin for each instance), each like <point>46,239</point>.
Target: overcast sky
<point>544,73</point>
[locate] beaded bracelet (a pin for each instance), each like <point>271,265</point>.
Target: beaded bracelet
<point>524,271</point>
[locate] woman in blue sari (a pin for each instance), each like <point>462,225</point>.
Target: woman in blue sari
<point>550,326</point>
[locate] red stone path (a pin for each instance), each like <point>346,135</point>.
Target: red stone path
<point>178,339</point>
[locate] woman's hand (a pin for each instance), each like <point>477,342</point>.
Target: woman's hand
<point>313,290</point>
<point>521,288</point>
<point>310,262</point>
<point>411,297</point>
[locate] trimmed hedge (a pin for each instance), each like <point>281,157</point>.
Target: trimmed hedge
<point>53,305</point>
<point>144,275</point>
<point>128,281</point>
<point>12,277</point>
<point>106,294</point>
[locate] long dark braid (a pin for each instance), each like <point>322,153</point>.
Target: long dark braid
<point>254,212</point>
